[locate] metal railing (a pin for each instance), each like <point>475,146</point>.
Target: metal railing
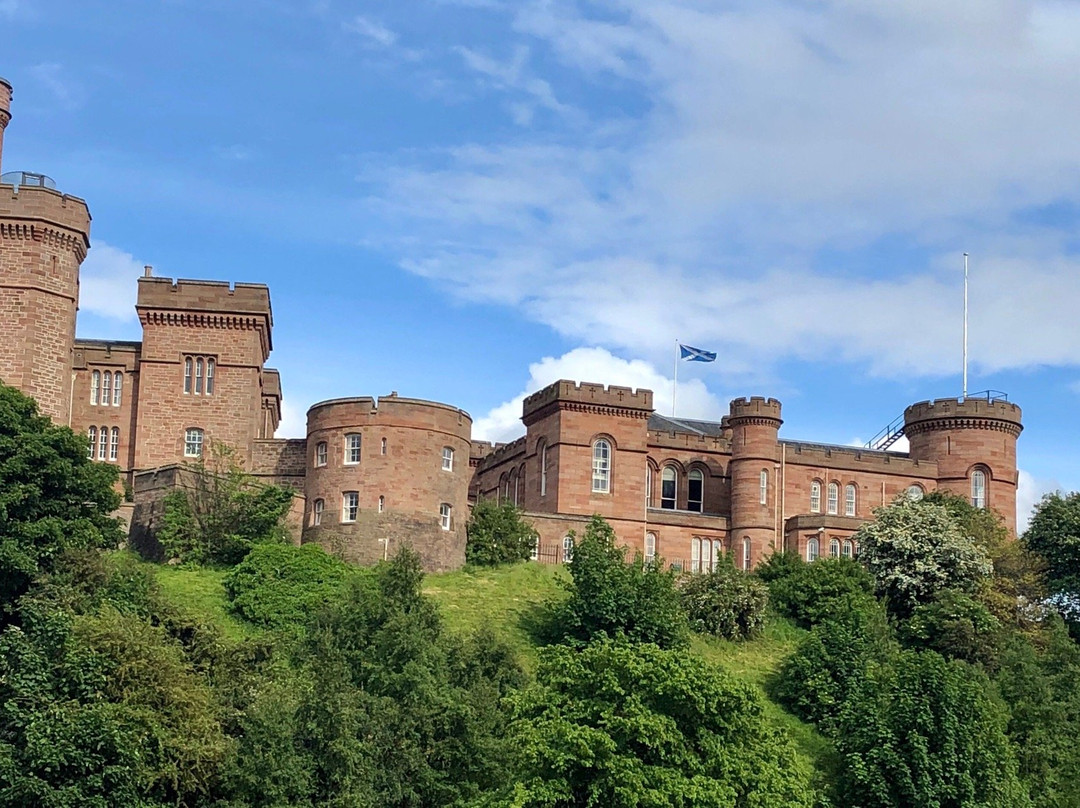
<point>27,179</point>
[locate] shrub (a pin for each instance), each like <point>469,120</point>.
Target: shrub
<point>810,592</point>
<point>497,534</point>
<point>726,602</point>
<point>779,565</point>
<point>956,626</point>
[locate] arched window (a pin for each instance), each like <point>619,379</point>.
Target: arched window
<point>118,383</point>
<point>200,367</point>
<point>601,467</point>
<point>834,548</point>
<point>978,488</point>
<point>695,554</point>
<point>514,477</point>
<point>210,363</point>
<point>915,492</point>
<point>382,504</point>
<point>114,443</point>
<point>746,553</point>
<point>316,511</point>
<point>815,497</point>
<point>567,549</point>
<point>447,458</point>
<point>717,554</point>
<point>650,547</point>
<point>320,453</point>
<point>188,363</point>
<point>445,516</point>
<point>106,388</point>
<point>813,549</point>
<point>695,490</point>
<point>193,442</point>
<point>95,384</point>
<point>764,486</point>
<point>669,482</point>
<point>833,503</point>
<point>382,446</point>
<point>524,490</point>
<point>352,449</point>
<point>847,548</point>
<point>93,442</point>
<point>535,554</point>
<point>648,485</point>
<point>103,442</point>
<point>849,499</point>
<point>543,469</point>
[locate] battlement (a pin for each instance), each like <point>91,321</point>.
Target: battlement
<point>204,296</point>
<point>964,413</point>
<point>756,407</point>
<point>25,207</point>
<point>588,394</point>
<point>391,410</point>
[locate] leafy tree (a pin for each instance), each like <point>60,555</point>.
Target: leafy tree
<point>497,534</point>
<point>624,725</point>
<point>914,550</point>
<point>810,592</point>
<point>52,497</point>
<point>927,731</point>
<point>222,513</point>
<point>726,602</point>
<point>778,565</point>
<point>956,626</point>
<point>1054,533</point>
<point>612,597</point>
<point>281,586</point>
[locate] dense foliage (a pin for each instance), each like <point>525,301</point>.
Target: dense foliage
<point>498,534</point>
<point>1054,533</point>
<point>807,593</point>
<point>725,602</point>
<point>221,512</point>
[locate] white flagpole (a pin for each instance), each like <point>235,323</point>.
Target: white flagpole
<point>965,325</point>
<point>675,384</point>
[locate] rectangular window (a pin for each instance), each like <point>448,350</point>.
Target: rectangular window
<point>199,376</point>
<point>188,362</point>
<point>350,506</point>
<point>93,442</point>
<point>382,446</point>
<point>815,497</point>
<point>543,472</point>
<point>210,363</point>
<point>764,486</point>
<point>849,500</point>
<point>695,555</point>
<point>444,516</point>
<point>106,388</point>
<point>320,454</point>
<point>114,444</point>
<point>95,383</point>
<point>316,512</point>
<point>695,490</point>
<point>193,443</point>
<point>352,449</point>
<point>447,459</point>
<point>118,381</point>
<point>103,443</point>
<point>832,505</point>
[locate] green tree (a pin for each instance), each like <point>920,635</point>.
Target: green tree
<point>52,497</point>
<point>221,512</point>
<point>726,602</point>
<point>808,593</point>
<point>955,625</point>
<point>498,534</point>
<point>625,725</point>
<point>612,597</point>
<point>914,550</point>
<point>1054,533</point>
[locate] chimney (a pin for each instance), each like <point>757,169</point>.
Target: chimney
<point>148,271</point>
<point>5,115</point>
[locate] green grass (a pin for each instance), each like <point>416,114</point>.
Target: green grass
<point>202,591</point>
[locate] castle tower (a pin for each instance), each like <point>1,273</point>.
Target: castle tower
<point>755,426</point>
<point>44,237</point>
<point>968,438</point>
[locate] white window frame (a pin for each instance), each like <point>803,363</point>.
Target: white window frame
<point>350,506</point>
<point>650,547</point>
<point>200,365</point>
<point>700,501</point>
<point>446,515</point>
<point>813,549</point>
<point>851,500</point>
<point>601,466</point>
<point>92,434</point>
<point>210,366</point>
<point>834,547</point>
<point>978,488</point>
<point>106,388</point>
<point>95,385</point>
<point>567,549</point>
<point>114,444</point>
<point>321,454</point>
<point>535,554</point>
<point>763,484</point>
<point>118,383</point>
<point>695,555</point>
<point>189,363</point>
<point>746,553</point>
<point>103,442</point>
<point>447,458</point>
<point>382,446</point>
<point>815,496</point>
<point>353,444</point>
<point>193,437</point>
<point>664,480</point>
<point>382,503</point>
<point>832,503</point>
<point>317,508</point>
<point>848,548</point>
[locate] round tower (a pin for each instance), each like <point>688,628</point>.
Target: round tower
<point>5,115</point>
<point>386,473</point>
<point>755,425</point>
<point>44,237</point>
<point>973,443</point>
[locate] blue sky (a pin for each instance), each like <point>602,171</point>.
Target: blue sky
<point>466,199</point>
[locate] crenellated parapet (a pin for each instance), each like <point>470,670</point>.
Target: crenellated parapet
<point>966,413</point>
<point>587,397</point>
<point>755,411</point>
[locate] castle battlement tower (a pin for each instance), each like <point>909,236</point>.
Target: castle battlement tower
<point>44,237</point>
<point>755,426</point>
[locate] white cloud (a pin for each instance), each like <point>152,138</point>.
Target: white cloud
<point>503,422</point>
<point>108,282</point>
<point>514,75</point>
<point>1029,491</point>
<point>373,31</point>
<point>293,421</point>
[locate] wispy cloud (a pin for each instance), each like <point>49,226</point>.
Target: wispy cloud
<point>372,31</point>
<point>108,282</point>
<point>50,75</point>
<point>514,75</point>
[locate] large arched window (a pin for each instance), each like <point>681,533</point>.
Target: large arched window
<point>832,505</point>
<point>106,388</point>
<point>669,482</point>
<point>118,384</point>
<point>746,553</point>
<point>695,492</point>
<point>813,549</point>
<point>650,547</point>
<point>849,499</point>
<point>815,497</point>
<point>834,548</point>
<point>763,485</point>
<point>601,466</point>
<point>717,554</point>
<point>978,488</point>
<point>695,554</point>
<point>848,547</point>
<point>114,444</point>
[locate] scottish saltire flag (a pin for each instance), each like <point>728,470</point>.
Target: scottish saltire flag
<point>695,354</point>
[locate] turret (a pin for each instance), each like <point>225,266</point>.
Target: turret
<point>973,442</point>
<point>44,237</point>
<point>755,425</point>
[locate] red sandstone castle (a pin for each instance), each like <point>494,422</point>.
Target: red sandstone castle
<point>371,475</point>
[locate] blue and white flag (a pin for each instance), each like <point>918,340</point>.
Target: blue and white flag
<point>695,354</point>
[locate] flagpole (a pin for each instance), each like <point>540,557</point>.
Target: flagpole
<point>675,384</point>
<point>965,325</point>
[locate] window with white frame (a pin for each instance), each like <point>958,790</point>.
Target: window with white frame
<point>447,459</point>
<point>114,444</point>
<point>815,497</point>
<point>320,453</point>
<point>199,375</point>
<point>350,505</point>
<point>514,487</point>
<point>717,554</point>
<point>444,515</point>
<point>210,367</point>
<point>833,503</point>
<point>103,442</point>
<point>189,364</point>
<point>978,488</point>
<point>106,388</point>
<point>847,551</point>
<point>193,442</point>
<point>650,547</point>
<point>535,554</point>
<point>567,549</point>
<point>763,485</point>
<point>648,485</point>
<point>746,553</point>
<point>669,486</point>
<point>317,511</point>
<point>95,386</point>
<point>200,368</point>
<point>849,499</point>
<point>352,449</point>
<point>813,549</point>
<point>382,446</point>
<point>118,384</point>
<point>915,492</point>
<point>382,504</point>
<point>834,548</point>
<point>93,442</point>
<point>601,467</point>
<point>543,470</point>
<point>695,554</point>
<point>695,490</point>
